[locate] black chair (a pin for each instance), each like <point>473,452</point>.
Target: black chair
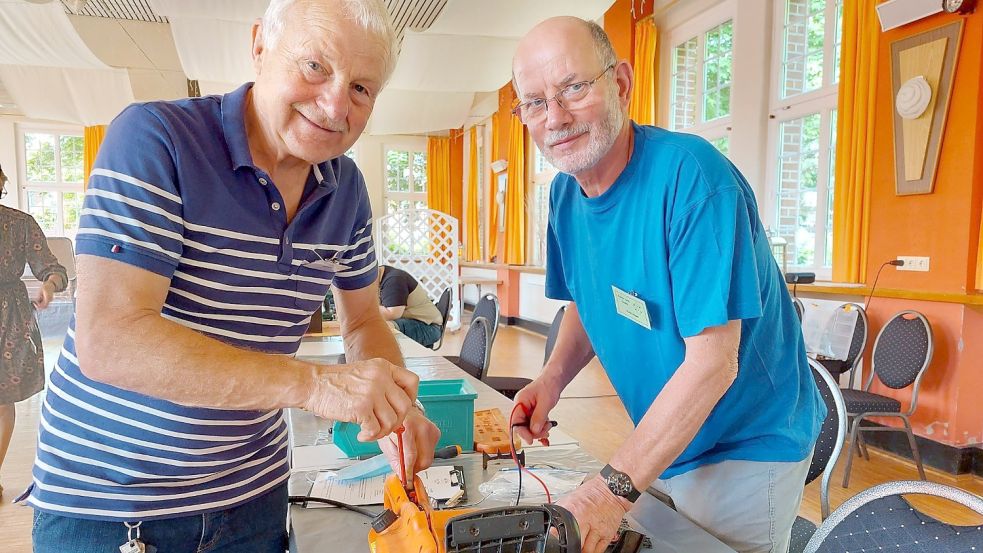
<point>444,306</point>
<point>902,352</point>
<point>476,349</point>
<point>854,358</point>
<point>554,332</point>
<point>827,451</point>
<point>488,308</point>
<point>800,308</point>
<point>879,519</point>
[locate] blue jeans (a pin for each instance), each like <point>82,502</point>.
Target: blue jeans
<point>258,526</point>
<point>420,332</point>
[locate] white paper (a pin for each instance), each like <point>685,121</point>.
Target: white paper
<point>318,457</point>
<point>440,482</point>
<point>353,492</point>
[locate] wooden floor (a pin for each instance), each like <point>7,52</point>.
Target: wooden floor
<point>589,412</point>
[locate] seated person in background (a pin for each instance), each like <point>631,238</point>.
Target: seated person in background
<point>405,303</point>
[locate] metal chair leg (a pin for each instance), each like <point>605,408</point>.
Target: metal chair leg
<point>862,444</point>
<point>854,430</point>
<point>914,448</point>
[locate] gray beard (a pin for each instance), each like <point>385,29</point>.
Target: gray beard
<point>601,137</point>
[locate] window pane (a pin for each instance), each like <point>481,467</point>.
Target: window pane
<point>803,48</point>
<point>350,154</point>
<point>684,85</point>
<point>43,206</point>
<point>717,66</point>
<point>419,172</point>
<point>397,171</point>
<point>542,165</point>
<point>541,205</point>
<point>837,47</point>
<point>39,157</point>
<point>832,189</point>
<point>71,158</point>
<point>722,144</point>
<point>798,163</point>
<point>71,205</point>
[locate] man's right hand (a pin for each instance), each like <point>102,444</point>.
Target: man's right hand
<point>375,394</point>
<point>537,400</point>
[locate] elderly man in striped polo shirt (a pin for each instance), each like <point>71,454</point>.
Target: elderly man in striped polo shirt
<point>211,231</point>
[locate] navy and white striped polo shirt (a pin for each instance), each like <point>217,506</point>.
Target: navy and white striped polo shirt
<point>174,191</point>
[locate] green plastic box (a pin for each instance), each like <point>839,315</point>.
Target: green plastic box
<point>449,404</point>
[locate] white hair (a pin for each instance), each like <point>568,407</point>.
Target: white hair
<point>370,15</point>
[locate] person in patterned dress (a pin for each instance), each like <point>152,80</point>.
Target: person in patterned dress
<point>21,355</point>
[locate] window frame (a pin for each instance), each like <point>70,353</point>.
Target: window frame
<point>58,187</point>
<point>797,106</point>
<point>537,179</point>
<point>698,27</point>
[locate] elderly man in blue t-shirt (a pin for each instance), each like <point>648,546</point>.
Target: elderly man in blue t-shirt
<point>654,238</point>
<point>212,230</point>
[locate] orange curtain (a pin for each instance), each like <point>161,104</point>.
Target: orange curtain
<point>855,141</point>
<point>515,195</point>
<point>643,95</point>
<point>91,140</point>
<point>439,174</point>
<point>492,250</point>
<point>472,240</point>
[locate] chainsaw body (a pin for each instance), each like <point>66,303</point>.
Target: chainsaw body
<point>410,525</point>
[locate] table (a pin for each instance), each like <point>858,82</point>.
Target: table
<point>331,530</point>
<point>321,346</point>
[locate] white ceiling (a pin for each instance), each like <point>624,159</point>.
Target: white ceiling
<point>456,53</point>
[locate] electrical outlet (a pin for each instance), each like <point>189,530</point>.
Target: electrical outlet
<point>912,263</point>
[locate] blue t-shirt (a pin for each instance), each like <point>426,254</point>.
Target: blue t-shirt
<point>679,229</point>
<point>175,191</point>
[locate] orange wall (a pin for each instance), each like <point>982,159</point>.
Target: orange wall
<point>619,26</point>
<point>943,225</point>
<point>938,225</point>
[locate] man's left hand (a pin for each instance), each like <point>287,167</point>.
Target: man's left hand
<point>598,513</point>
<point>420,438</point>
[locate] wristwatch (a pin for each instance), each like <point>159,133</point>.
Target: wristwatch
<point>619,483</point>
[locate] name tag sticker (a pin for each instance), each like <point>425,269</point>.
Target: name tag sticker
<point>631,307</point>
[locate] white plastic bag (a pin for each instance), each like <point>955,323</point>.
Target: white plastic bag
<point>505,484</point>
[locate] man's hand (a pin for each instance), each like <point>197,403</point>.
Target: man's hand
<point>420,437</point>
<point>45,293</point>
<point>598,512</point>
<point>537,400</point>
<point>375,394</point>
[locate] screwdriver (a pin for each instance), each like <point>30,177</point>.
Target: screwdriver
<point>447,452</point>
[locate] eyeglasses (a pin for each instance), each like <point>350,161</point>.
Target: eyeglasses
<point>566,98</point>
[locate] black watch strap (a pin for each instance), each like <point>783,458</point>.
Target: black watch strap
<point>620,484</point>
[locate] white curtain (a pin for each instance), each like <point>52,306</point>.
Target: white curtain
<point>50,72</point>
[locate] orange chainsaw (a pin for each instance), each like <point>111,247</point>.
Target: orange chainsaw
<point>409,524</point>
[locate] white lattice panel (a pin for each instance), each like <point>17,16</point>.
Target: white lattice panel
<point>424,243</point>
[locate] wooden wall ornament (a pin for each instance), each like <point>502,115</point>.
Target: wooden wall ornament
<point>922,70</point>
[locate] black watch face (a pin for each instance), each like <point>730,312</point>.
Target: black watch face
<point>620,484</point>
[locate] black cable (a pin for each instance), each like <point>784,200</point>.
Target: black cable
<point>304,499</point>
<point>870,295</point>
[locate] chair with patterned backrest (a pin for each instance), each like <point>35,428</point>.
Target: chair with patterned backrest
<point>444,306</point>
<point>488,308</point>
<point>854,360</point>
<point>476,349</point>
<point>554,332</point>
<point>827,451</point>
<point>902,352</point>
<point>879,519</point>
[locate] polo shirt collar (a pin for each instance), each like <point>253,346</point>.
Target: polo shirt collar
<point>234,129</point>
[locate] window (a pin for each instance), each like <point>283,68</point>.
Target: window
<point>406,193</point>
<point>701,82</point>
<point>52,182</point>
<point>539,202</point>
<point>803,131</point>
